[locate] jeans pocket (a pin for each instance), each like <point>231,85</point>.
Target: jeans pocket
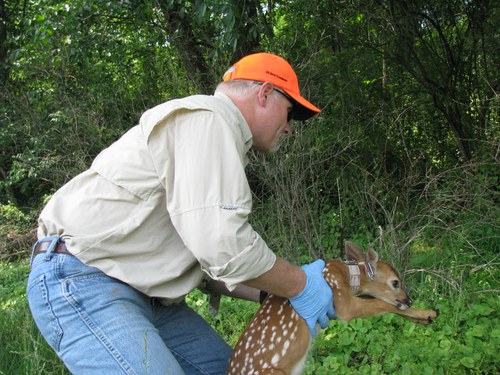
<point>43,312</point>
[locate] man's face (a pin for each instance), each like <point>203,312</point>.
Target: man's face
<point>273,121</point>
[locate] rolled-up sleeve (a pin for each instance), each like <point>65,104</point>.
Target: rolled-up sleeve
<point>209,199</point>
<point>224,243</point>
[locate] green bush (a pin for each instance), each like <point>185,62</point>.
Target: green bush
<point>16,232</point>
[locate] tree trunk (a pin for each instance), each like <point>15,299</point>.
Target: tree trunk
<point>180,30</point>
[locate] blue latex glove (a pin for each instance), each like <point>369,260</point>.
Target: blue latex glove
<point>315,303</point>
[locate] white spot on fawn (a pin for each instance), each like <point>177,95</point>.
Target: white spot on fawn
<point>286,345</point>
<point>335,282</point>
<point>275,359</point>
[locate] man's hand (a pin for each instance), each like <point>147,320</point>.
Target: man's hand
<point>315,302</point>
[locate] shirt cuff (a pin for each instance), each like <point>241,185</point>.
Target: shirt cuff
<point>249,264</point>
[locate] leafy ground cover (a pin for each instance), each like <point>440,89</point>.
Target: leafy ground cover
<point>391,345</point>
<point>463,340</point>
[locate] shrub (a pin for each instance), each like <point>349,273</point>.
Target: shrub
<point>16,232</point>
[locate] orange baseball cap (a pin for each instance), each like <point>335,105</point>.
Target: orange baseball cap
<point>266,67</point>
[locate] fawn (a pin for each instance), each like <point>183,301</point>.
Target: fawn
<point>277,340</point>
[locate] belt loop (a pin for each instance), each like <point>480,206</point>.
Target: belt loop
<point>52,246</point>
<point>53,242</point>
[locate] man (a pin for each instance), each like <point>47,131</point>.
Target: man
<point>160,212</point>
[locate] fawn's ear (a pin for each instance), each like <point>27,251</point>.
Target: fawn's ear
<point>354,252</point>
<point>371,263</point>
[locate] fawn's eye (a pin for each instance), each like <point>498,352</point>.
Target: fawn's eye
<point>395,283</point>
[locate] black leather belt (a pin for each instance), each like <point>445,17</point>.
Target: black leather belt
<point>42,247</point>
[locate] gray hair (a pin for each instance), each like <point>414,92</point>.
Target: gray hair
<point>238,87</point>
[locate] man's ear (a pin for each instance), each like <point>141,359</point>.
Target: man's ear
<point>264,93</point>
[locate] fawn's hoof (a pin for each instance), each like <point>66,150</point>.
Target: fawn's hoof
<point>430,319</point>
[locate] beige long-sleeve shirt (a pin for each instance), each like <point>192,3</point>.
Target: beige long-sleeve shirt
<point>168,203</point>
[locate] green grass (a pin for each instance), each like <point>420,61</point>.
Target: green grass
<point>24,350</point>
<point>463,340</point>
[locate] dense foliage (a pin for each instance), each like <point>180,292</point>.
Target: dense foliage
<point>408,137</point>
<point>404,156</point>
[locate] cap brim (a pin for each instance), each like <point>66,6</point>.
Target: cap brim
<point>303,109</point>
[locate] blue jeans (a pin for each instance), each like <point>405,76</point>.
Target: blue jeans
<point>99,325</point>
